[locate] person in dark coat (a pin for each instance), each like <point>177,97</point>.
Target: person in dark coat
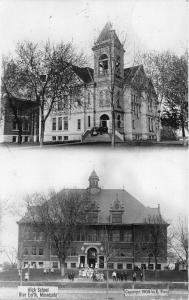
<point>134,277</point>
<point>125,276</point>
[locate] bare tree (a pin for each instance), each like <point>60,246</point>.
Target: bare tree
<point>169,75</point>
<point>108,251</point>
<point>45,75</point>
<point>179,241</point>
<point>11,255</point>
<point>58,216</point>
<point>153,240</point>
<point>175,111</point>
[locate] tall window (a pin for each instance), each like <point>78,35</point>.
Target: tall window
<point>79,124</point>
<point>53,123</point>
<point>88,97</point>
<point>150,121</point>
<point>25,125</point>
<point>60,104</point>
<point>116,236</point>
<point>107,97</point>
<point>118,65</point>
<point>65,123</point>
<point>40,251</point>
<point>26,252</point>
<point>14,125</point>
<point>119,121</point>
<point>34,252</point>
<point>118,99</point>
<point>59,123</point>
<point>54,251</point>
<point>101,98</point>
<point>89,121</point>
<point>103,64</point>
<point>133,124</point>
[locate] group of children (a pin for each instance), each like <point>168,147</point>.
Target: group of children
<point>120,276</point>
<point>71,276</point>
<point>92,274</point>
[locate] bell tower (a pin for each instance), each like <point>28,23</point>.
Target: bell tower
<point>108,55</point>
<point>93,180</point>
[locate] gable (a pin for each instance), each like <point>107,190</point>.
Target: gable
<point>84,74</point>
<point>137,78</point>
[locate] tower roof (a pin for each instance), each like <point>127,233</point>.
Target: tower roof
<point>105,33</point>
<point>93,175</point>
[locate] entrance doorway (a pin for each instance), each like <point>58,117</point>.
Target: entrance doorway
<point>91,257</point>
<point>104,122</point>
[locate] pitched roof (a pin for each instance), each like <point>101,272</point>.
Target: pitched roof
<point>105,33</point>
<point>129,73</point>
<point>134,212</point>
<point>20,101</point>
<point>93,174</point>
<point>85,74</point>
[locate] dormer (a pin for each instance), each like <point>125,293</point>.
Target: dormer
<point>116,211</point>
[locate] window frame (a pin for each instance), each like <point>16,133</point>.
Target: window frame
<point>54,124</point>
<point>65,122</point>
<point>78,124</point>
<point>34,250</point>
<point>41,252</point>
<point>89,121</point>
<point>103,64</point>
<point>60,123</point>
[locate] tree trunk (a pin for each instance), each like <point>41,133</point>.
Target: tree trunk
<point>183,129</point>
<point>42,132</point>
<point>155,258</point>
<point>62,268</point>
<point>19,133</point>
<point>113,128</point>
<point>107,283</point>
<point>182,122</point>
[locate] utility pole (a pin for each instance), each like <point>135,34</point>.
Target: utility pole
<point>21,263</point>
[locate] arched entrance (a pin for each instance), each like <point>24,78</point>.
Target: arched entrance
<point>91,257</point>
<point>104,122</point>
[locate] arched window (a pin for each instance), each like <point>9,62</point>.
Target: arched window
<point>103,64</point>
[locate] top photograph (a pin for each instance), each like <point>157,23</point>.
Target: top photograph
<point>94,74</point>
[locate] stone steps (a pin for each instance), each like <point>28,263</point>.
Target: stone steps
<point>105,137</point>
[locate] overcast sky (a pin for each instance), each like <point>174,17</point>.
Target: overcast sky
<point>151,175</point>
<point>152,25</point>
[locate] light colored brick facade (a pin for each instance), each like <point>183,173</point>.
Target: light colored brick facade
<point>135,101</point>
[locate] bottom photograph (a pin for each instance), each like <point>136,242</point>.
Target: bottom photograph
<point>92,228</point>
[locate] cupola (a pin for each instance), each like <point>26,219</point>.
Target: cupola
<point>93,180</point>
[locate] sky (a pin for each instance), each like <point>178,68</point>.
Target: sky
<point>154,176</point>
<point>148,25</point>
